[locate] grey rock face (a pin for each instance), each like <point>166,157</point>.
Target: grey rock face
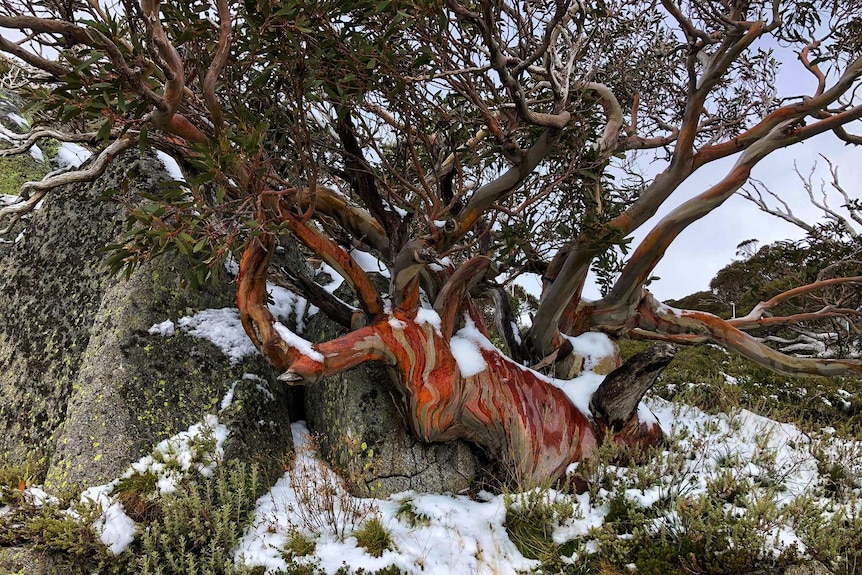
<point>359,430</point>
<point>84,388</point>
<point>24,560</point>
<point>810,568</point>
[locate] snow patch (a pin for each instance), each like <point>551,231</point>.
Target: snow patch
<point>19,120</point>
<point>303,345</point>
<point>71,155</point>
<point>429,316</point>
<point>467,355</point>
<point>223,328</point>
<point>36,153</point>
<point>164,329</point>
<point>593,347</point>
<point>171,166</point>
<point>369,263</point>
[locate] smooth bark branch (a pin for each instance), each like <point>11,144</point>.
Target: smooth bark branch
<point>449,301</point>
<point>363,180</point>
<point>53,68</point>
<point>617,398</point>
<point>29,139</point>
<point>307,363</point>
<point>781,115</point>
<point>407,267</point>
<point>757,312</point>
<point>337,258</point>
<point>653,316</point>
<point>795,319</point>
<point>499,188</point>
<point>33,192</point>
<point>504,320</point>
<point>174,71</point>
<point>653,247</point>
<point>218,63</point>
<point>566,286</point>
<point>357,221</point>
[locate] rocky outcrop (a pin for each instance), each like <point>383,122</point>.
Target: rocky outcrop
<point>810,568</point>
<point>84,387</point>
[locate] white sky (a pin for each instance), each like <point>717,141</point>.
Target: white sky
<point>710,244</point>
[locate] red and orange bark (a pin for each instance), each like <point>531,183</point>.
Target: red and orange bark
<point>525,422</point>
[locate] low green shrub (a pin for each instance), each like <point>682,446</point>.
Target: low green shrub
<point>373,537</point>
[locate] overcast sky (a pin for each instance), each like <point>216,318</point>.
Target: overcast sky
<point>710,244</point>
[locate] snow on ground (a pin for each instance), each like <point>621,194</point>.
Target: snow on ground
<point>456,534</point>
<point>435,533</point>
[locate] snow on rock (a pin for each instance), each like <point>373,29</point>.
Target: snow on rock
<point>164,329</point>
<point>335,278</point>
<point>223,328</point>
<point>36,153</point>
<point>171,166</point>
<point>19,120</point>
<point>285,302</point>
<point>71,155</point>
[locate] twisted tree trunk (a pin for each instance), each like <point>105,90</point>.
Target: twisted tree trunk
<point>452,386</point>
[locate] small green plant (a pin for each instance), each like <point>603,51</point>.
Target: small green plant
<point>67,536</point>
<point>373,537</point>
<point>407,512</point>
<point>199,524</point>
<point>531,517</point>
<point>299,545</point>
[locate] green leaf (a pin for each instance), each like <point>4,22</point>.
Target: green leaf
<point>105,131</point>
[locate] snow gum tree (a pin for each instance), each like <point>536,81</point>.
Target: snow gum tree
<point>461,143</point>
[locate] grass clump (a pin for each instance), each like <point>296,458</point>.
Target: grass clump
<point>66,536</point>
<point>531,518</point>
<point>298,545</point>
<point>373,537</point>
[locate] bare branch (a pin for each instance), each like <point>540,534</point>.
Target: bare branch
<point>653,316</point>
<point>218,63</point>
<point>33,192</point>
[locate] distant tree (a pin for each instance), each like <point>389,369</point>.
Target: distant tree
<point>828,320</point>
<point>461,143</point>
